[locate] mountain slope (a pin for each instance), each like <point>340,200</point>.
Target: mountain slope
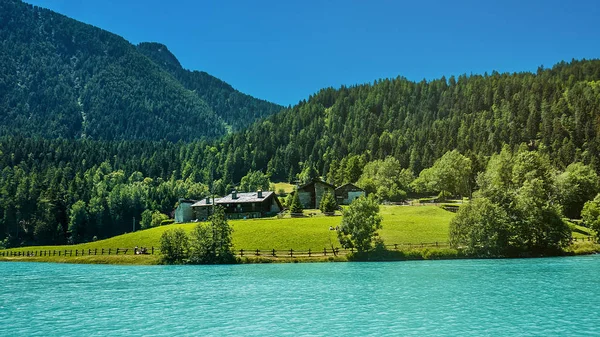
<point>60,78</point>
<point>237,109</point>
<point>555,110</point>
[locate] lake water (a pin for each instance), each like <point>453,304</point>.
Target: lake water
<point>543,297</point>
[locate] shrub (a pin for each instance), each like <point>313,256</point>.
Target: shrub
<point>167,222</point>
<point>174,246</point>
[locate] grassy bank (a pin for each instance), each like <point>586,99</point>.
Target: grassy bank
<point>402,225</point>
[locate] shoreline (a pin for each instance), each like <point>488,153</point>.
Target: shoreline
<point>416,254</point>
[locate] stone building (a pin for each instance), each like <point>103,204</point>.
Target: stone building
<point>310,194</point>
<point>345,194</point>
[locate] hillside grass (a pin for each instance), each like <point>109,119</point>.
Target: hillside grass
<point>286,187</point>
<point>401,225</point>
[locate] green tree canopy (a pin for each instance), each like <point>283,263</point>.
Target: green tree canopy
<point>254,181</point>
<point>452,173</point>
<point>211,243</point>
<point>360,223</point>
<point>174,246</point>
<point>386,179</point>
<point>576,185</point>
<point>591,214</point>
<point>515,212</point>
<point>328,203</point>
<point>295,205</point>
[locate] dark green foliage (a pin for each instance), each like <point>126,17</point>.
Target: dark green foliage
<point>449,175</point>
<point>174,246</point>
<point>236,109</point>
<point>417,123</point>
<point>481,228</point>
<point>86,116</point>
<point>63,78</point>
<point>328,204</point>
<point>211,243</point>
<point>577,185</point>
<point>591,214</point>
<point>253,181</point>
<point>516,210</point>
<point>386,179</point>
<point>360,223</point>
<point>295,205</point>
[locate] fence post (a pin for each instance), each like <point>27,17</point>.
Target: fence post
<point>291,252</point>
<point>109,249</point>
<point>95,251</point>
<point>117,251</point>
<point>324,251</point>
<point>273,252</point>
<point>241,253</point>
<point>395,246</point>
<point>308,252</point>
<point>152,250</point>
<point>257,252</point>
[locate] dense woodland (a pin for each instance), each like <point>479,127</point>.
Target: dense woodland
<point>63,78</point>
<point>94,131</point>
<point>236,109</point>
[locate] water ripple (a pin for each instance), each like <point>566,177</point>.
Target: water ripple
<point>556,296</point>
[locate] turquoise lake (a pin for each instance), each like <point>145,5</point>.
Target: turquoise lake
<point>517,297</point>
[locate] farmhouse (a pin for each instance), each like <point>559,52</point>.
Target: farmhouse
<point>310,194</point>
<point>345,194</point>
<point>241,205</point>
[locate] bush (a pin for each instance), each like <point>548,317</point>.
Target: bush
<point>158,218</point>
<point>360,223</point>
<point>167,222</point>
<point>211,243</point>
<point>174,246</point>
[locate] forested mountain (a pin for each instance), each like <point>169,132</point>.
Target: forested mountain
<point>335,133</point>
<point>238,110</point>
<point>556,111</point>
<point>63,78</point>
<point>95,131</point>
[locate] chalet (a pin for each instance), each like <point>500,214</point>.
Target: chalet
<point>345,194</point>
<point>184,212</point>
<point>241,205</point>
<point>310,194</point>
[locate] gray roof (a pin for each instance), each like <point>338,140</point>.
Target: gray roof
<point>245,197</point>
<point>241,198</point>
<point>202,203</point>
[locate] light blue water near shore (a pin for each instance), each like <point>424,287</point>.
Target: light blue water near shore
<point>542,297</point>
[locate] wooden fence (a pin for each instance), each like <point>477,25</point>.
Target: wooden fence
<point>76,252</point>
<point>310,253</point>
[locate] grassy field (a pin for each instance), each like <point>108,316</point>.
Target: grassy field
<point>287,187</point>
<point>418,224</point>
<point>401,225</point>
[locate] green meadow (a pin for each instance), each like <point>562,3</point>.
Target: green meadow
<point>401,225</point>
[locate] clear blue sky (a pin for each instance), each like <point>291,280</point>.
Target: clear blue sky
<point>284,51</point>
